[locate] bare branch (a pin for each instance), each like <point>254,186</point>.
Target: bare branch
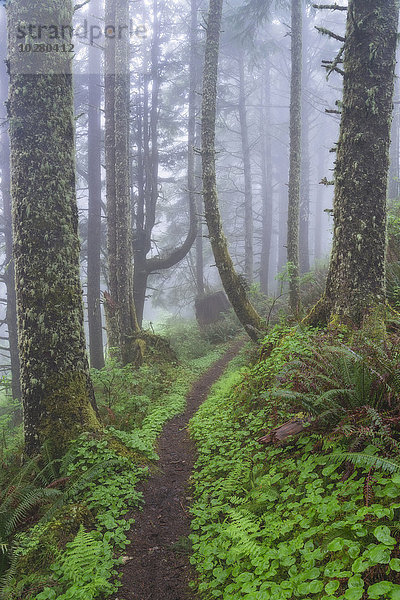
<point>330,7</point>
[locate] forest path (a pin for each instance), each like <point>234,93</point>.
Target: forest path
<point>154,569</point>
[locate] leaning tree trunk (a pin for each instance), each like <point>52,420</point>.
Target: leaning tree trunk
<point>56,388</point>
<point>94,216</point>
<point>9,275</point>
<point>295,158</point>
<point>232,283</point>
<point>356,277</point>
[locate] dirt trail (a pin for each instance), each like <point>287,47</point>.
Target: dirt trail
<point>155,570</point>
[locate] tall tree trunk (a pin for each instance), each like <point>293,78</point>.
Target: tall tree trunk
<point>356,277</point>
<point>266,176</point>
<point>295,157</point>
<point>232,283</point>
<point>147,201</point>
<point>9,275</point>
<point>126,320</point>
<point>394,171</point>
<point>57,392</point>
<point>94,218</point>
<point>248,192</point>
<point>282,229</point>
<point>194,76</point>
<point>304,250</point>
<point>110,304</point>
<point>319,206</point>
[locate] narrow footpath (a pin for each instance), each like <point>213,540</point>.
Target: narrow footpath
<point>156,566</point>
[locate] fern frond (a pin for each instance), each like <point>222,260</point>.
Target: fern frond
<point>368,461</point>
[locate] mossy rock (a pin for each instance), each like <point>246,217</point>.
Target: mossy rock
<point>154,347</point>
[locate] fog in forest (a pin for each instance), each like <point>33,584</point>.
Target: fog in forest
<point>252,135</point>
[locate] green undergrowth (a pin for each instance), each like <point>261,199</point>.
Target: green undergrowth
<point>290,521</point>
<point>68,549</point>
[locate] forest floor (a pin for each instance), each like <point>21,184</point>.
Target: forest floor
<point>156,563</point>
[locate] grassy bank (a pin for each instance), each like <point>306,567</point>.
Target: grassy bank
<point>64,526</point>
<point>294,519</point>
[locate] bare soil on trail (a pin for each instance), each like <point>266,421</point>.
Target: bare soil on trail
<point>154,568</point>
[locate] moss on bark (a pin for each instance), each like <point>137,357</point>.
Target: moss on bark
<point>356,277</point>
<point>56,389</point>
<point>231,281</point>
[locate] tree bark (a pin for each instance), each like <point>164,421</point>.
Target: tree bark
<point>248,192</point>
<point>94,216</point>
<point>394,170</point>
<point>295,158</point>
<point>266,177</point>
<point>232,283</point>
<point>110,304</point>
<point>9,275</point>
<point>304,224</point>
<point>319,206</point>
<point>127,322</point>
<point>148,196</point>
<point>356,277</point>
<point>57,392</point>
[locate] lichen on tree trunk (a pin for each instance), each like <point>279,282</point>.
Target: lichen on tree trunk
<point>356,277</point>
<point>56,388</point>
<point>232,283</point>
<point>94,211</point>
<point>295,158</point>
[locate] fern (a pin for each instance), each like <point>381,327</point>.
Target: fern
<point>368,461</point>
<point>83,568</point>
<point>243,531</point>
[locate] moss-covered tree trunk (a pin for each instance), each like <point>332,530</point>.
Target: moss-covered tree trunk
<point>232,283</point>
<point>56,388</point>
<point>394,170</point>
<point>94,215</point>
<point>356,278</point>
<point>295,157</point>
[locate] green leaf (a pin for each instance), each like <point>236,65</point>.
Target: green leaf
<point>379,589</point>
<point>379,554</point>
<point>382,534</point>
<point>336,544</point>
<point>355,582</point>
<point>315,587</point>
<point>395,593</point>
<point>332,586</point>
<point>354,593</point>
<point>395,564</point>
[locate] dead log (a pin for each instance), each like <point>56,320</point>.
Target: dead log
<point>278,435</point>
